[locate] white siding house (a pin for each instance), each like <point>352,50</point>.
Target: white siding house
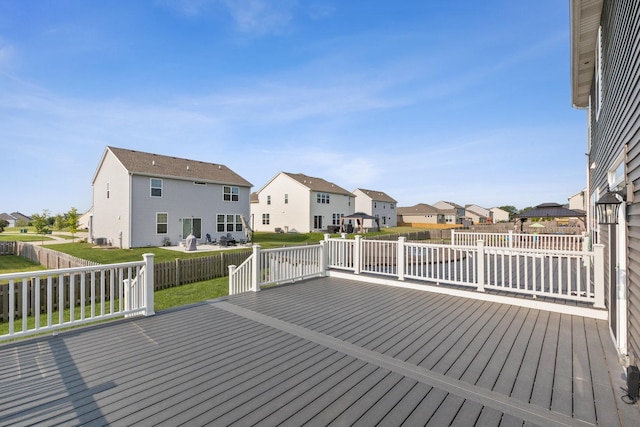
<point>378,204</point>
<point>499,215</point>
<point>299,203</point>
<point>143,199</point>
<point>421,213</point>
<point>453,213</point>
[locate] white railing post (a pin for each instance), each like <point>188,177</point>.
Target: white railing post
<point>510,239</point>
<point>255,267</point>
<point>327,236</point>
<point>324,258</point>
<point>598,275</point>
<point>232,280</point>
<point>127,294</point>
<point>480,265</point>
<point>400,257</point>
<point>453,236</point>
<point>357,247</point>
<point>148,285</point>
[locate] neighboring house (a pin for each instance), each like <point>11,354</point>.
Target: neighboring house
<point>421,213</point>
<point>577,202</point>
<point>294,202</point>
<point>453,213</point>
<point>84,219</point>
<point>378,204</point>
<point>143,199</point>
<point>478,214</point>
<point>605,80</point>
<point>21,220</point>
<point>499,215</point>
<point>10,219</point>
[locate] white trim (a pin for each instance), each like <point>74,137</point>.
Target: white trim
<point>481,296</point>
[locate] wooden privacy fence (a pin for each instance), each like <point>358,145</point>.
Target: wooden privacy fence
<point>40,286</point>
<point>7,248</point>
<point>49,258</point>
<point>182,271</point>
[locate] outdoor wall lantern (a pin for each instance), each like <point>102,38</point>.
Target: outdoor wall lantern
<point>607,207</point>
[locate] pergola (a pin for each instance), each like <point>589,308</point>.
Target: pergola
<point>549,211</point>
<point>359,217</point>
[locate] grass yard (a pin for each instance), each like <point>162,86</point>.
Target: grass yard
<point>24,237</point>
<point>112,255</point>
<point>16,264</point>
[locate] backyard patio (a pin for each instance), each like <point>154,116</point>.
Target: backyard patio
<point>322,351</point>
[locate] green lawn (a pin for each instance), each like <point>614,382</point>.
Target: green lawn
<point>16,264</point>
<point>24,237</point>
<point>110,255</point>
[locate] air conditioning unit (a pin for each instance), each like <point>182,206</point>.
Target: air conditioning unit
<point>633,382</point>
<point>101,241</point>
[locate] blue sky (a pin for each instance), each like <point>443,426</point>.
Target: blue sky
<point>464,101</point>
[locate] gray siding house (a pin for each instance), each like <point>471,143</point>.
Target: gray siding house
<point>144,199</point>
<point>605,80</point>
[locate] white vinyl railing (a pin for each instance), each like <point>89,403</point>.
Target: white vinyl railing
<point>48,300</point>
<point>573,275</point>
<point>275,266</point>
<point>562,242</point>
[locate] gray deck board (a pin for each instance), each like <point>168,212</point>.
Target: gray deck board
<point>207,365</point>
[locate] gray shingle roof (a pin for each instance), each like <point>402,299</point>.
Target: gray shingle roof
<point>318,184</point>
<point>141,163</point>
<point>419,209</point>
<point>378,196</point>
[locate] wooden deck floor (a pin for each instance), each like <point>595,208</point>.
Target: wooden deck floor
<point>319,352</point>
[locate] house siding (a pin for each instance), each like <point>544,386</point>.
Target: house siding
<point>127,217</point>
<point>112,219</point>
<point>617,126</point>
<point>291,216</point>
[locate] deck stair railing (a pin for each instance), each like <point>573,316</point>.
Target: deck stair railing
<point>48,300</point>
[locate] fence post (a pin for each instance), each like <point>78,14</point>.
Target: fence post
<point>480,265</point>
<point>255,269</point>
<point>510,239</point>
<point>357,246</point>
<point>400,257</point>
<point>148,286</point>
<point>598,275</point>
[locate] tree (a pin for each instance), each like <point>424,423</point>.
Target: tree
<point>72,222</point>
<point>3,223</point>
<point>59,222</point>
<point>41,222</point>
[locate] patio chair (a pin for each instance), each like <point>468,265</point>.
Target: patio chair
<point>230,240</point>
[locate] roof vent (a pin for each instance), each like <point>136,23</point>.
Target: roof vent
<point>187,167</point>
<point>153,162</point>
<point>219,166</point>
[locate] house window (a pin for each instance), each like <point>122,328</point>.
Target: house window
<point>156,187</point>
<point>228,223</point>
<point>230,194</point>
<point>375,205</point>
<point>268,200</point>
<point>615,174</point>
<point>286,199</point>
<point>192,225</point>
<point>335,218</point>
<point>322,198</point>
<point>317,222</point>
<point>391,206</point>
<point>162,222</point>
<point>107,190</point>
<point>265,219</point>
